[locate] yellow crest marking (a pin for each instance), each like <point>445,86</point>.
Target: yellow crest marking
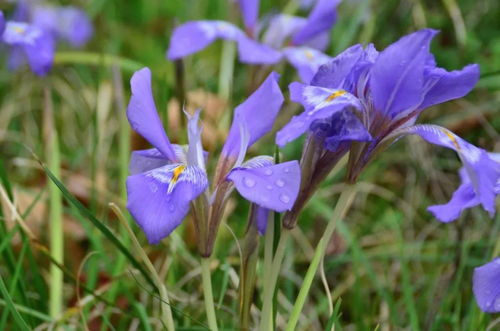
<point>175,177</point>
<point>309,55</point>
<point>335,95</point>
<point>452,138</point>
<point>19,30</point>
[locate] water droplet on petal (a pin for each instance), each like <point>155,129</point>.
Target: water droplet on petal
<point>280,182</point>
<point>153,187</point>
<point>249,182</point>
<point>269,187</point>
<point>171,208</point>
<point>287,170</point>
<point>268,172</point>
<point>284,198</point>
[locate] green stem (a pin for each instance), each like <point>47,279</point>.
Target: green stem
<point>341,208</point>
<point>270,283</point>
<point>55,213</point>
<point>207,293</point>
<point>96,59</point>
<point>226,69</point>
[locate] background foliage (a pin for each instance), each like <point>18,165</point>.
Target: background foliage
<point>390,266</point>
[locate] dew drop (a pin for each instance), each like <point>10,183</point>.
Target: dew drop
<point>269,187</point>
<point>153,187</point>
<point>171,208</point>
<point>287,170</point>
<point>268,172</point>
<point>249,182</point>
<point>284,198</point>
<point>280,183</point>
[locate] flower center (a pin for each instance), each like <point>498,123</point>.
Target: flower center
<point>175,177</point>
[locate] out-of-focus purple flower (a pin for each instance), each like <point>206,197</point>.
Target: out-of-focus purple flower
<point>386,92</point>
<point>31,43</point>
<point>299,40</point>
<point>486,286</point>
<point>2,22</point>
<point>68,23</point>
<point>166,179</point>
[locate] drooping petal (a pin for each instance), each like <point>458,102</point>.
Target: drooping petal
<point>463,198</point>
<point>341,127</point>
<point>258,112</point>
<point>319,103</point>
<point>142,114</point>
<point>321,19</point>
<point>482,171</point>
<point>40,54</point>
<point>397,76</point>
<point>250,12</point>
<point>273,187</point>
<point>253,52</point>
<point>306,61</point>
<point>192,37</point>
<point>449,85</point>
<point>486,286</point>
<point>334,73</point>
<point>159,199</point>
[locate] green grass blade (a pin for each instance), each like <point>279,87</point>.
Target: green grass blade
<point>99,225</point>
<point>9,305</point>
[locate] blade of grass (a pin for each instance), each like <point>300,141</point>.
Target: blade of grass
<point>55,208</point>
<point>99,225</point>
<point>9,305</point>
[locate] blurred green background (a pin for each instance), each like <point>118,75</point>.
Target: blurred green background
<point>391,264</point>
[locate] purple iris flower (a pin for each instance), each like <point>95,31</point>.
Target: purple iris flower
<point>167,179</point>
<point>67,23</point>
<point>378,97</point>
<point>30,43</point>
<point>2,22</point>
<point>486,286</point>
<point>299,40</point>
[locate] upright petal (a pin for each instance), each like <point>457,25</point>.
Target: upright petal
<point>258,112</point>
<point>195,155</point>
<point>446,85</point>
<point>159,199</point>
<point>192,37</point>
<point>334,73</point>
<point>486,286</point>
<point>142,114</point>
<point>253,52</point>
<point>321,19</point>
<point>319,103</point>
<point>482,171</point>
<point>250,12</point>
<point>273,187</point>
<point>397,77</point>
<point>306,61</point>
